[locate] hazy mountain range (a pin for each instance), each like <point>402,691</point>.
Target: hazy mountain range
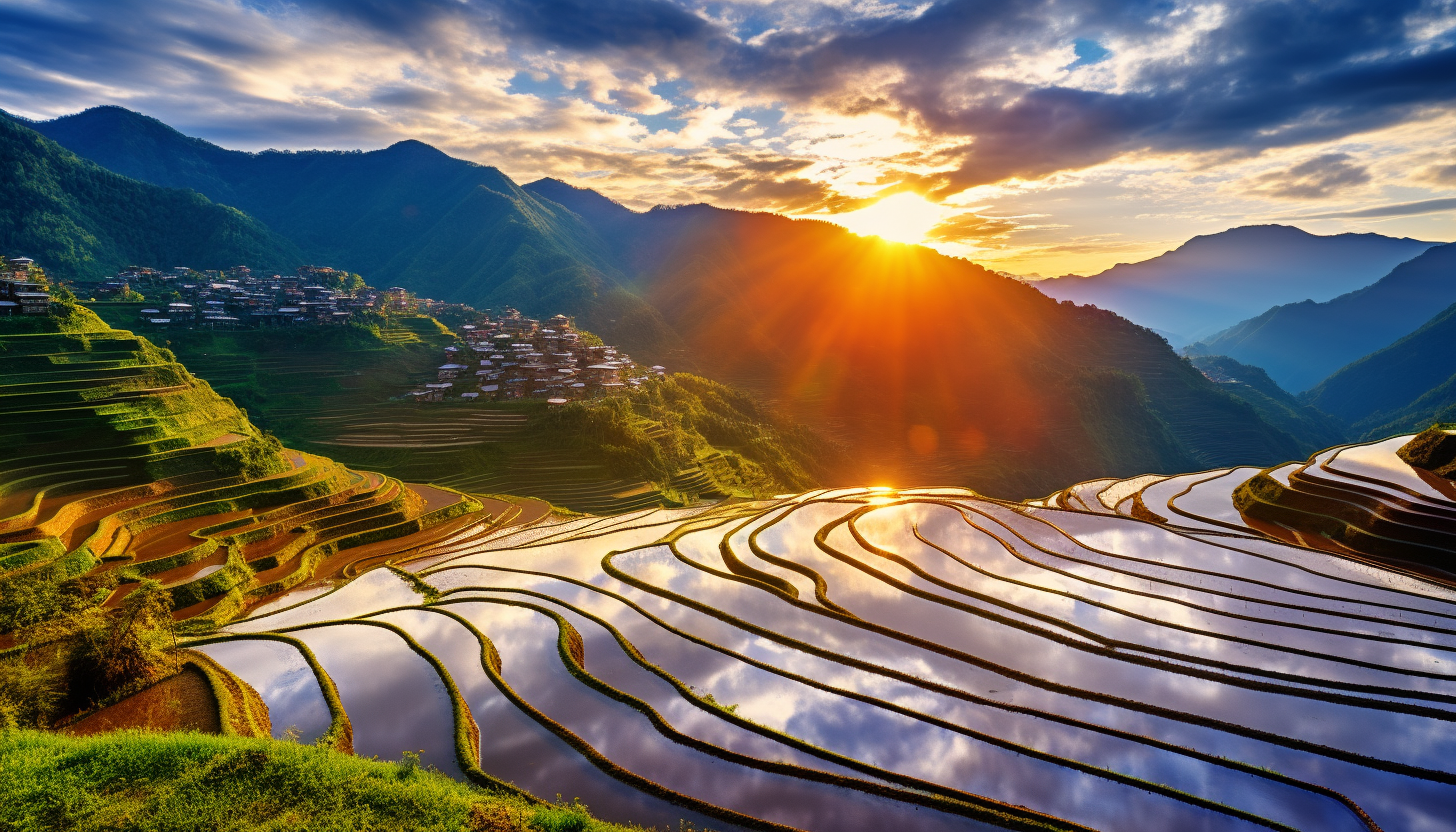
<point>1299,344</point>
<point>1215,281</point>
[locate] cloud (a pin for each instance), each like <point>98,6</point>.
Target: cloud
<point>794,105</point>
<point>1403,209</point>
<point>970,228</point>
<point>1317,178</point>
<point>1444,174</point>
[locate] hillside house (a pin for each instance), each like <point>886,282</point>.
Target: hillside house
<point>23,297</point>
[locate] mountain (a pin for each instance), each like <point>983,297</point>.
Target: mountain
<point>1407,384</point>
<point>1299,344</point>
<point>1311,427</point>
<point>407,215</point>
<point>1214,281</point>
<point>85,222</point>
<point>930,367</point>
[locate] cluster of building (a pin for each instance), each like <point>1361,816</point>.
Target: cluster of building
<point>514,357</point>
<point>21,292</point>
<point>239,299</point>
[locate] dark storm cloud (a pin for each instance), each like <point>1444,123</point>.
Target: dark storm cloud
<point>1269,74</point>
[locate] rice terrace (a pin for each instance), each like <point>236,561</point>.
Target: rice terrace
<point>676,415</point>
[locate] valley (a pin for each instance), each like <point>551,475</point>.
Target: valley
<point>861,535</point>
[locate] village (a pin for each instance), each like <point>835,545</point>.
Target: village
<point>514,357</point>
<point>503,357</point>
<point>185,298</point>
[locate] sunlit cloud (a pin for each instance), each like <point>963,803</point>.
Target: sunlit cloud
<point>1063,135</point>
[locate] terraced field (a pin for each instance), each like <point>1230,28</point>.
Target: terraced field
<point>1123,655</point>
<point>115,459</point>
<point>480,449</point>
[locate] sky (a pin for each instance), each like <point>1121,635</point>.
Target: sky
<point>1032,136</point>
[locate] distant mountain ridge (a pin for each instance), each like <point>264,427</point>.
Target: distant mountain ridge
<point>1299,344</point>
<point>83,221</point>
<point>931,368</point>
<point>1312,427</point>
<point>1214,281</point>
<point>1408,384</point>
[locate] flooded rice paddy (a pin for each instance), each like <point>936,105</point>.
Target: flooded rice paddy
<point>921,659</point>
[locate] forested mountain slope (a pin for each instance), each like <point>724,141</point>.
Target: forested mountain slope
<point>933,367</point>
<point>408,214</point>
<point>85,222</point>
<point>929,368</point>
<point>1312,427</point>
<point>1408,384</point>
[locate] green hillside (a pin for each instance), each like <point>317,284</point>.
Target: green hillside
<point>930,368</point>
<point>1400,388</point>
<point>335,391</point>
<point>85,222</point>
<point>1312,428</point>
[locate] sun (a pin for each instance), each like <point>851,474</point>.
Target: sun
<point>902,218</point>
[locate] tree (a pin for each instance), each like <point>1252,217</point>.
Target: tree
<point>135,645</point>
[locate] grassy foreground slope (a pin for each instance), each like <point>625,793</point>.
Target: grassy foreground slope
<point>143,782</point>
<point>85,222</point>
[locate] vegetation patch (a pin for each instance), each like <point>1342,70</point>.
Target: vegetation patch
<point>142,782</point>
<point>1433,449</point>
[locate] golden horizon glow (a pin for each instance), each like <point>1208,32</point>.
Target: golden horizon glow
<point>900,218</point>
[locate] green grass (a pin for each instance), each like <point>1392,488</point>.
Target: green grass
<point>144,781</point>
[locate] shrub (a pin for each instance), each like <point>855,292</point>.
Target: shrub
<point>132,647</point>
<point>251,459</point>
<point>31,690</point>
<point>561,817</point>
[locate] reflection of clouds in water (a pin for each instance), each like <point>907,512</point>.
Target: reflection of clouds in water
<point>395,700</point>
<point>281,676</point>
<point>1148,571</point>
<point>376,589</point>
